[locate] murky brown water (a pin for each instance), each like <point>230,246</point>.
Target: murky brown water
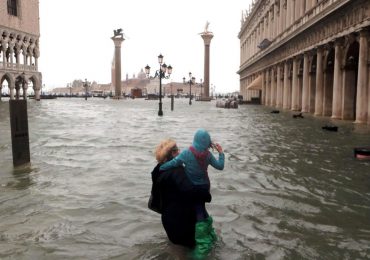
<point>289,190</point>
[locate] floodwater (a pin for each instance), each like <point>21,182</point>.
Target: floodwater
<point>289,190</point>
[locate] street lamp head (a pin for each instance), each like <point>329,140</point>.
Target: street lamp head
<point>147,70</point>
<point>183,79</point>
<point>193,80</point>
<point>190,75</point>
<point>169,69</point>
<point>160,58</point>
<point>164,68</point>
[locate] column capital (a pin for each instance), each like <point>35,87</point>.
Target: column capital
<point>328,46</point>
<point>319,48</point>
<point>307,54</point>
<point>207,37</point>
<point>339,41</point>
<point>364,32</point>
<point>117,41</point>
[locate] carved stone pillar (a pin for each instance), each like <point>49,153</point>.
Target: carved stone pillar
<point>11,51</point>
<point>312,87</point>
<point>36,55</point>
<point>286,91</point>
<point>24,52</point>
<point>268,87</point>
<point>295,86</point>
<point>207,37</point>
<point>305,90</point>
<point>263,88</point>
<point>11,90</point>
<point>319,83</point>
<point>24,86</point>
<point>4,43</point>
<point>37,90</point>
<point>17,49</point>
<point>117,63</point>
<point>337,82</point>
<point>273,87</point>
<point>279,93</point>
<point>361,104</point>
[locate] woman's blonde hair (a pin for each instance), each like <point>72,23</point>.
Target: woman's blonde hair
<point>164,149</point>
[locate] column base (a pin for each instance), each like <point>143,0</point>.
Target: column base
<point>359,122</point>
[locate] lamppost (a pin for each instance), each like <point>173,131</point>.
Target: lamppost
<point>190,82</point>
<point>161,74</point>
<point>86,85</point>
<point>70,89</point>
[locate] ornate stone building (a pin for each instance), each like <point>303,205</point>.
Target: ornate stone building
<point>308,55</point>
<point>19,47</point>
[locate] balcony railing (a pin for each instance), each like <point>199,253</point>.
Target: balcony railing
<point>17,67</point>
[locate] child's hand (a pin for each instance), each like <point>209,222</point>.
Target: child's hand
<point>218,148</point>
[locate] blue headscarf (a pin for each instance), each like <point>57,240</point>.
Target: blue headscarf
<point>202,140</point>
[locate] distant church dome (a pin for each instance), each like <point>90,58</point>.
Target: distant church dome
<point>141,74</point>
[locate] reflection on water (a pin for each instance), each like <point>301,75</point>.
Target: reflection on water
<point>289,190</point>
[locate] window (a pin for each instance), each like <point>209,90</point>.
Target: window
<point>12,7</point>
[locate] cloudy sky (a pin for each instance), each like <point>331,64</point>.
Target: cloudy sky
<point>75,39</point>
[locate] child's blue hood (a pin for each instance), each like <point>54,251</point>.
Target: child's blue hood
<point>202,140</point>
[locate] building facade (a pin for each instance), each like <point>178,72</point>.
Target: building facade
<point>311,56</point>
<point>19,47</point>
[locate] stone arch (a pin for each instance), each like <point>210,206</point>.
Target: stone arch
<point>350,80</point>
<point>20,80</point>
<point>312,83</point>
<point>10,80</point>
<point>329,60</point>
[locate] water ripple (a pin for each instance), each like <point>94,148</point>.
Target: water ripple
<point>288,190</point>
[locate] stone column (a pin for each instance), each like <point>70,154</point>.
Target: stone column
<point>279,96</point>
<point>117,40</point>
<point>17,51</point>
<point>37,55</point>
<point>273,87</point>
<point>3,49</point>
<point>268,87</point>
<point>25,45</point>
<point>24,88</point>
<point>11,90</point>
<point>37,93</point>
<point>286,87</point>
<point>361,104</point>
<point>263,88</point>
<point>319,83</point>
<point>207,37</point>
<point>305,90</point>
<point>312,90</point>
<point>337,83</point>
<point>295,85</point>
